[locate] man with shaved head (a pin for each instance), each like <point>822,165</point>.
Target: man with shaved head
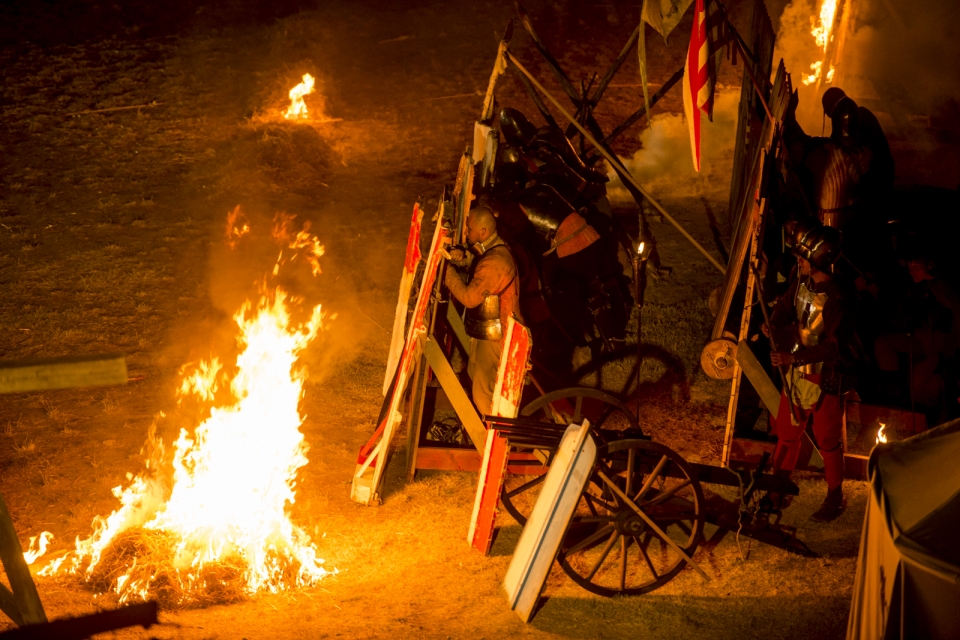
<point>490,294</point>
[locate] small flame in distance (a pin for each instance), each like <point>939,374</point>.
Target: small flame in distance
<point>234,475</point>
<point>298,108</point>
<point>881,436</point>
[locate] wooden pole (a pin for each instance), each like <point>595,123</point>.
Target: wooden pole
<point>626,124</point>
<point>486,114</point>
<point>62,373</point>
<point>135,106</point>
<point>605,82</point>
<point>562,77</point>
<point>616,163</point>
<point>24,591</point>
<point>538,102</point>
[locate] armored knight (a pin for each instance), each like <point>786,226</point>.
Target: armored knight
<point>490,295</point>
<point>581,276</point>
<point>813,328</point>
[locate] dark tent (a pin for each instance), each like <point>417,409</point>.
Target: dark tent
<point>908,572</point>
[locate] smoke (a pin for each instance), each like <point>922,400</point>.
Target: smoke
<point>664,164</point>
<point>898,57</point>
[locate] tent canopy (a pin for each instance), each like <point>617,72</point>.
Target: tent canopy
<point>908,572</point>
<point>920,478</point>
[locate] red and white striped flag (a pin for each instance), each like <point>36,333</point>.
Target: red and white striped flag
<point>698,80</point>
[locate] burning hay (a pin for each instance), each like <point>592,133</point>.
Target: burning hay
<point>207,522</point>
<point>298,108</point>
<point>143,556</point>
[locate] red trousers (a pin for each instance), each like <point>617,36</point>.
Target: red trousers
<point>827,418</point>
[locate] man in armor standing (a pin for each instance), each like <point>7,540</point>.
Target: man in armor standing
<point>490,294</point>
<point>813,327</point>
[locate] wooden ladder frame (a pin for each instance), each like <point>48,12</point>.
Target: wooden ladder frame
<point>21,602</point>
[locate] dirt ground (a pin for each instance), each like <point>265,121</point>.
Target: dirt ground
<point>111,234</point>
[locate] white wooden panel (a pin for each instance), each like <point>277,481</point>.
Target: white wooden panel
<point>541,537</point>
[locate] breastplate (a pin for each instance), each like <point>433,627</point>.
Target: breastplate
<point>483,321</point>
<point>809,309</point>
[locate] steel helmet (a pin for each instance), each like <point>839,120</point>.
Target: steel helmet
<point>830,98</point>
<point>820,246</point>
<point>795,230</point>
<point>516,129</point>
<point>845,119</point>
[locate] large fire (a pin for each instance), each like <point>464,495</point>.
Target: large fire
<point>223,497</point>
<point>822,31</point>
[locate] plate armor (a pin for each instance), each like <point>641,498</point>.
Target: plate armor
<point>809,309</point>
<point>483,321</point>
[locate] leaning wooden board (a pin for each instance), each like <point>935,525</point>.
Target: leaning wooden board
<point>371,462</point>
<point>517,345</point>
<point>541,537</point>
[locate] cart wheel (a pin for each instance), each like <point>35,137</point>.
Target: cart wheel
<point>611,549</point>
<point>607,415</point>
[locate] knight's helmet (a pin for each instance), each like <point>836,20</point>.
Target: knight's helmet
<point>845,119</point>
<point>510,174</point>
<point>516,129</point>
<point>830,98</point>
<point>545,208</point>
<point>820,246</point>
<point>795,230</point>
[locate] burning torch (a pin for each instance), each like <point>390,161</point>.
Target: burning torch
<point>640,286</point>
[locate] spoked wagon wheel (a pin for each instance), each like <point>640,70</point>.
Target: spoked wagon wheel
<point>607,415</point>
<point>638,521</point>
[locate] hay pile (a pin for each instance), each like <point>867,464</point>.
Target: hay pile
<point>148,556</point>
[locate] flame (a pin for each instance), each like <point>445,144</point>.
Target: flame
<point>816,66</point>
<point>284,236</point>
<point>233,475</point>
<point>202,382</point>
<point>881,436</point>
<point>822,32</point>
<point>298,108</point>
<point>38,547</point>
<point>237,226</point>
<point>640,249</point>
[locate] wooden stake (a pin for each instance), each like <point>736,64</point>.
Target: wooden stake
<point>63,372</point>
<point>135,106</point>
<point>24,594</point>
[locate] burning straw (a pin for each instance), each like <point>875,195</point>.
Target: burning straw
<point>208,523</point>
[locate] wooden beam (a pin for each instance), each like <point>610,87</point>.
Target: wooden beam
<point>612,71</point>
<point>24,594</point>
<point>455,393</point>
<point>8,604</point>
<point>626,124</point>
<point>63,373</point>
<point>143,614</point>
<point>758,377</point>
<point>456,325</point>
<point>520,463</point>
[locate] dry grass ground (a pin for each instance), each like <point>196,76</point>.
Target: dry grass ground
<point>110,241</point>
